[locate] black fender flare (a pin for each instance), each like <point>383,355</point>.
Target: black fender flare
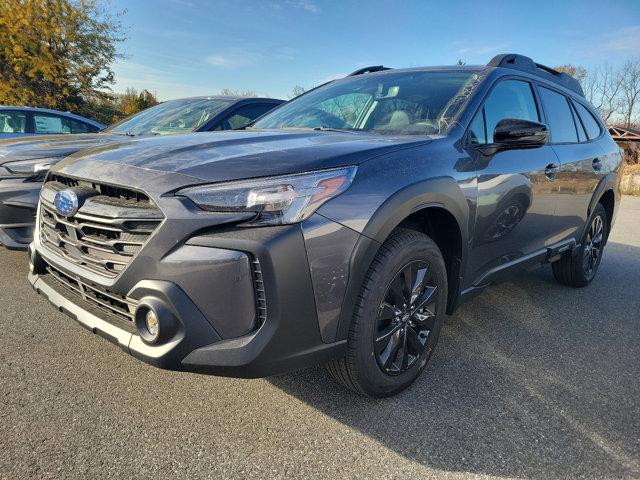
<point>606,183</point>
<point>441,192</point>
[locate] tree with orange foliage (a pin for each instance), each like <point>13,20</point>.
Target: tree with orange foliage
<point>56,54</point>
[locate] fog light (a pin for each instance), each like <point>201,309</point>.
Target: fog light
<point>151,322</point>
<point>155,323</point>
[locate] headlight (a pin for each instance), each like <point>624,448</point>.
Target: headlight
<point>274,200</point>
<point>27,168</point>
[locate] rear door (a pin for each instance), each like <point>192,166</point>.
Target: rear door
<point>572,139</point>
<point>516,188</point>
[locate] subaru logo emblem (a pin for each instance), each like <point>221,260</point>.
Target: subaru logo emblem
<point>66,203</point>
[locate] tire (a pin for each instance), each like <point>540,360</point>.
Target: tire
<point>580,268</point>
<point>388,346</point>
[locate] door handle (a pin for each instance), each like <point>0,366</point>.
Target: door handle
<point>597,164</point>
<point>551,170</point>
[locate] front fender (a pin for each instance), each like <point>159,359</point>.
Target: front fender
<point>441,192</point>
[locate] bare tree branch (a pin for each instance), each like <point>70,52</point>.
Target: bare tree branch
<point>602,87</point>
<point>630,89</point>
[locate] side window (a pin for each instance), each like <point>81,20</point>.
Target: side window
<point>582,135</point>
<point>477,134</point>
<point>590,124</point>
<point>81,127</point>
<point>12,121</point>
<point>559,116</point>
<point>245,115</point>
<point>509,99</point>
<point>49,123</point>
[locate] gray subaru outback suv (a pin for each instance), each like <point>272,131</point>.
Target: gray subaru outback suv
<point>339,228</point>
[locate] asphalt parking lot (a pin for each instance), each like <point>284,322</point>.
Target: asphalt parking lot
<point>530,380</point>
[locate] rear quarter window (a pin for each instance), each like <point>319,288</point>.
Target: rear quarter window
<point>591,125</point>
<point>82,127</point>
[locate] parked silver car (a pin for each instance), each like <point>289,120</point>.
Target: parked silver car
<point>25,161</point>
<point>27,121</point>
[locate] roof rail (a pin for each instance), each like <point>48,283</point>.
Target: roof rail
<point>520,62</point>
<point>375,68</point>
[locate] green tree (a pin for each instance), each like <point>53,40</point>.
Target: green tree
<point>56,53</point>
<point>131,101</point>
<point>146,99</point>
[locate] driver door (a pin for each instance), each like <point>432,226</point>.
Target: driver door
<point>516,198</point>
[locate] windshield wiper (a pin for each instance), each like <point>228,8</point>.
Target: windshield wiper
<point>331,129</point>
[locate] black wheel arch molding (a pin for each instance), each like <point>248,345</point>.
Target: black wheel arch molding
<point>441,193</point>
<point>607,190</point>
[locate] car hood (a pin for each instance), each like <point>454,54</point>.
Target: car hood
<point>53,146</point>
<point>234,155</point>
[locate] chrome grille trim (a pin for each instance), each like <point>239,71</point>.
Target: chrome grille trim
<point>118,305</point>
<point>104,243</point>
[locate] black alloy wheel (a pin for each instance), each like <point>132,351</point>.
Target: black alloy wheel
<point>579,268</point>
<point>405,318</point>
<point>397,319</point>
<point>592,252</point>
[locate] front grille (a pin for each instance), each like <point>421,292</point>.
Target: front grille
<point>261,297</point>
<point>106,233</point>
<point>102,188</point>
<point>118,306</point>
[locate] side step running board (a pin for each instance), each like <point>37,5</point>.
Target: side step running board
<point>555,252</point>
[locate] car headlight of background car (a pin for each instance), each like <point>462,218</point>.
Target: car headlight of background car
<point>277,200</point>
<point>34,169</point>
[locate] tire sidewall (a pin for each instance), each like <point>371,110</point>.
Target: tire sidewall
<point>419,247</point>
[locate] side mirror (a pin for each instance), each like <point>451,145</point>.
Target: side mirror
<point>518,133</point>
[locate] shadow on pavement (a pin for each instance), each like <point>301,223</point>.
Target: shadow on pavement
<point>530,379</point>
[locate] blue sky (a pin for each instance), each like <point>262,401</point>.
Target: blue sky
<point>180,48</point>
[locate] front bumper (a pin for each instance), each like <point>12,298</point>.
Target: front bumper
<point>18,203</point>
<point>205,285</point>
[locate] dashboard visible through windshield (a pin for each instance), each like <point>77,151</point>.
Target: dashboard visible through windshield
<point>171,117</point>
<point>416,102</point>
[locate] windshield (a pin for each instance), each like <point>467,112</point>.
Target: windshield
<point>417,102</point>
<point>174,116</point>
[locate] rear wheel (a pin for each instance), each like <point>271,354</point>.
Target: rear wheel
<point>578,270</point>
<point>398,317</point>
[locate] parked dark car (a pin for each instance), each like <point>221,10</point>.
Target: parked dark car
<point>28,121</point>
<point>25,161</point>
<point>339,228</point>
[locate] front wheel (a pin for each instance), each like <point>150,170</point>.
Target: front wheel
<point>578,270</point>
<point>398,317</point>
